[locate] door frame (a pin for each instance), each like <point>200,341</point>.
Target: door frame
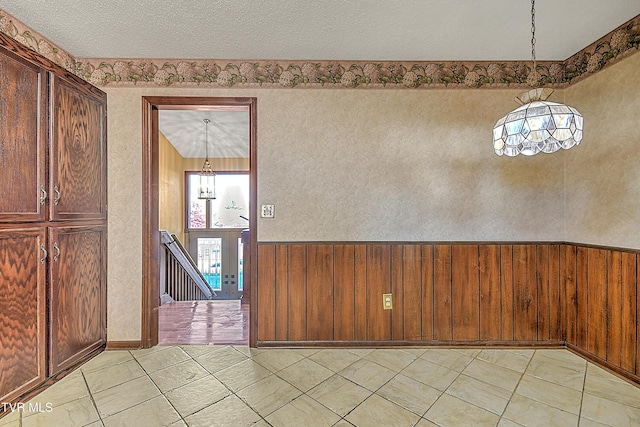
<point>150,203</point>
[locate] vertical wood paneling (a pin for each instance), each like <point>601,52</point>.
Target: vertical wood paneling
<point>281,293</point>
<point>569,293</point>
<point>465,292</point>
<point>344,292</point>
<point>320,292</point>
<point>506,286</point>
<point>581,297</point>
<point>361,291</point>
<point>427,291</point>
<point>542,260</point>
<point>490,309</point>
<point>442,328</point>
<point>597,302</point>
<point>297,287</point>
<point>555,306</point>
<point>637,314</point>
<point>266,292</point>
<point>397,291</point>
<point>378,283</point>
<point>412,281</point>
<point>629,317</point>
<point>525,292</point>
<point>614,307</point>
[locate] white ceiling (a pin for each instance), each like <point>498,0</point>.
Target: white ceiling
<point>446,30</point>
<point>410,30</point>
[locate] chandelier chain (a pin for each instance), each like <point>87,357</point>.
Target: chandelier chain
<point>533,32</point>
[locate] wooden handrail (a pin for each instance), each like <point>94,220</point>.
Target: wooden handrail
<point>181,279</point>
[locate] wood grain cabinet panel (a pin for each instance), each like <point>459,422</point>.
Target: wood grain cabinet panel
<point>22,311</point>
<point>77,294</point>
<point>23,139</point>
<point>78,171</point>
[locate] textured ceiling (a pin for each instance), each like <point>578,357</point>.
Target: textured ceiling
<point>421,30</point>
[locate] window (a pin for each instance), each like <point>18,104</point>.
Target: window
<point>230,209</point>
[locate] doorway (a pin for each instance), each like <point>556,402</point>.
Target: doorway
<point>151,241</point>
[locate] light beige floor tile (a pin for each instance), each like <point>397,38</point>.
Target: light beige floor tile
<point>450,411</point>
<point>361,352</point>
<point>552,394</point>
<point>303,411</point>
<point>242,375</point>
<point>144,351</point>
<point>586,422</point>
<point>305,374</point>
<point>161,359</point>
<point>508,423</point>
<point>393,359</point>
<point>608,412</point>
<point>335,359</point>
<point>71,387</point>
<point>230,411</point>
<point>113,375</point>
<point>561,355</point>
<point>602,373</point>
<point>493,374</point>
<point>221,358</point>
<point>417,351</point>
<point>95,424</point>
<point>409,393</point>
<point>178,375</point>
<point>507,358</point>
<point>155,412</point>
<point>197,395</point>
<point>277,359</point>
<point>610,387</point>
<point>78,413</point>
<point>562,372</point>
<point>473,352</point>
<point>105,359</point>
<point>179,424</point>
<point>339,394</point>
<point>451,359</point>
<point>377,411</point>
<point>529,412</point>
<point>12,419</point>
<point>248,351</point>
<point>261,423</point>
<point>490,397</point>
<point>425,423</point>
<point>124,396</point>
<point>198,350</point>
<point>431,374</point>
<point>306,352</point>
<point>268,395</point>
<point>367,374</point>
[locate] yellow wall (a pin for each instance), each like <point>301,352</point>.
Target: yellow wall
<point>397,165</point>
<point>171,188</point>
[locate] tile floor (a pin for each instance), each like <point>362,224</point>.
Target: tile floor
<point>236,386</point>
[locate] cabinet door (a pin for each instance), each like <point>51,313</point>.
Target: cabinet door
<point>78,174</point>
<point>77,293</point>
<point>23,143</point>
<point>23,301</point>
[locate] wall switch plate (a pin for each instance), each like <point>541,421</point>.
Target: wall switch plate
<point>268,211</point>
<point>387,302</point>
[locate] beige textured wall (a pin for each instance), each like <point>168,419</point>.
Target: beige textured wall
<point>603,173</point>
<point>171,188</point>
<point>351,165</point>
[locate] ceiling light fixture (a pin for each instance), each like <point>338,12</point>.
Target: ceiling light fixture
<point>538,125</point>
<point>207,175</point>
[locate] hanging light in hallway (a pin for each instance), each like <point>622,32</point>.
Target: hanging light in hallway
<point>538,125</point>
<point>207,188</point>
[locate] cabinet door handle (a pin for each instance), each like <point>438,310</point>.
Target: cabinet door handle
<point>56,199</point>
<point>43,197</point>
<point>44,254</point>
<point>56,257</point>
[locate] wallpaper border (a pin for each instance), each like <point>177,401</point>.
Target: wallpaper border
<point>123,72</point>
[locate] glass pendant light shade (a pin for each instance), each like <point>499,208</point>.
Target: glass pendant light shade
<point>207,189</point>
<point>537,126</point>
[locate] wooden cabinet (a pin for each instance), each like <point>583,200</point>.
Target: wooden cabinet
<point>53,228</point>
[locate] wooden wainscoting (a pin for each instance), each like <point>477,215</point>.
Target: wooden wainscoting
<point>500,294</point>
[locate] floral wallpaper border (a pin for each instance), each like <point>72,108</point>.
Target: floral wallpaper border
<point>623,41</point>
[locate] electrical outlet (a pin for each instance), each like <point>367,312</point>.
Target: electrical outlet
<point>268,211</point>
<point>387,302</point>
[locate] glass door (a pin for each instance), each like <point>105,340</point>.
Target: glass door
<point>218,253</point>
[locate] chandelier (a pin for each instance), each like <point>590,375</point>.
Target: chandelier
<point>538,125</point>
<point>207,189</point>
